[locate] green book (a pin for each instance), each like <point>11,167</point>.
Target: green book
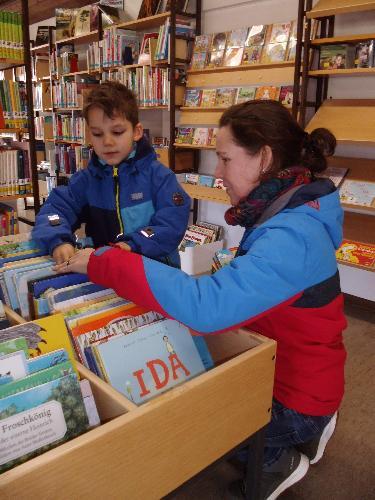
<point>35,379</point>
<point>14,345</point>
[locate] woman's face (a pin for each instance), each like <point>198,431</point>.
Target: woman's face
<point>239,170</point>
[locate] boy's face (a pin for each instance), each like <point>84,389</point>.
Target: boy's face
<point>112,138</point>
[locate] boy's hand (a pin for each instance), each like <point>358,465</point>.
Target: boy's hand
<point>77,263</point>
<point>63,252</point>
<point>124,246</point>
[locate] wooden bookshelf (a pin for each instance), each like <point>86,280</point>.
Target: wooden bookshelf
<point>84,38</point>
<point>145,23</point>
<point>200,119</point>
<point>40,48</point>
<point>191,146</point>
<point>325,8</point>
<point>10,197</point>
<point>350,120</point>
<point>10,63</point>
<point>343,39</point>
<point>206,193</point>
<point>342,72</point>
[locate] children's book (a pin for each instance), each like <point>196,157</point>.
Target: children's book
<point>256,35</point>
<point>192,97</point>
<point>200,137</point>
<point>233,56</point>
<point>11,252</point>
<point>208,98</point>
<point>13,345</point>
<point>279,33</point>
<point>219,41</point>
<point>237,38</point>
<point>252,54</point>
<point>47,360</point>
<point>184,135</point>
<point>191,178</point>
<point>357,253</point>
<point>48,414</point>
<point>13,364</point>
<point>267,93</point>
<point>215,58</point>
<point>273,53</point>
<point>82,20</point>
<point>198,60</point>
<point>358,193</point>
<point>225,97</point>
<point>245,94</point>
<point>65,20</point>
<point>364,54</point>
<point>150,360</point>
<point>42,35</point>
<point>336,56</point>
<point>336,174</point>
<point>291,50</point>
<point>202,43</point>
<point>286,96</point>
<point>212,136</point>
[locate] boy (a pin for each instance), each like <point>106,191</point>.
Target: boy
<point>124,196</point>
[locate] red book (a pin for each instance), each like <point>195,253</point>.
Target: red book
<point>2,120</point>
<point>356,253</point>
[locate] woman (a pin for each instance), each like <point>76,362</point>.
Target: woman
<point>283,282</point>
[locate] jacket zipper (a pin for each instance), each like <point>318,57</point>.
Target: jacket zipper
<point>117,197</point>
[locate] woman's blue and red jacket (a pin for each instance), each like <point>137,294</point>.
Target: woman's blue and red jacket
<point>149,197</point>
<point>284,284</point>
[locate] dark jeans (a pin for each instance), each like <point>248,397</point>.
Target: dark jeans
<point>286,429</point>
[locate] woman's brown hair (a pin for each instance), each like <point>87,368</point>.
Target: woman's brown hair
<point>259,123</point>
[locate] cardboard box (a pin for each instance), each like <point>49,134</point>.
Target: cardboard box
<point>198,259</point>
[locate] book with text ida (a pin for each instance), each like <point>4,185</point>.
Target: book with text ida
<point>150,360</point>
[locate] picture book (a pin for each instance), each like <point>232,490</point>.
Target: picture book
<point>336,174</point>
<point>206,180</point>
<point>219,41</point>
<point>47,360</point>
<point>357,253</point>
<point>13,345</point>
<point>42,35</point>
<point>252,54</point>
<point>202,43</point>
<point>225,97</point>
<point>192,97</point>
<point>184,135</point>
<point>256,35</point>
<point>215,58</point>
<point>13,364</point>
<point>65,20</point>
<point>245,94</point>
<point>233,56</point>
<point>49,414</point>
<point>212,136</point>
<point>267,93</point>
<point>273,53</point>
<point>82,20</point>
<point>42,335</point>
<point>364,54</point>
<point>191,178</point>
<point>198,60</point>
<point>208,98</point>
<point>11,252</point>
<point>21,281</point>
<point>237,38</point>
<point>286,95</point>
<point>336,56</point>
<point>279,33</point>
<point>150,360</point>
<point>358,193</point>
<point>200,137</point>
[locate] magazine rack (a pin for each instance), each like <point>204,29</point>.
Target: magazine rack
<point>148,451</point>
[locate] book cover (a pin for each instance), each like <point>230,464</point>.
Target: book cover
<point>252,54</point>
<point>65,19</point>
<point>336,174</point>
<point>233,56</point>
<point>245,94</point>
<point>358,193</point>
<point>279,33</point>
<point>13,345</point>
<point>13,364</point>
<point>82,20</point>
<point>286,96</point>
<point>273,53</point>
<point>11,252</point>
<point>47,360</point>
<point>291,50</point>
<point>206,180</point>
<point>256,35</point>
<point>48,414</point>
<point>192,97</point>
<point>208,98</point>
<point>215,58</point>
<point>237,38</point>
<point>202,43</point>
<point>42,35</point>
<point>364,54</point>
<point>219,41</point>
<point>200,137</point>
<point>225,97</point>
<point>356,252</point>
<point>184,135</point>
<point>267,92</point>
<point>212,136</point>
<point>150,360</point>
<point>336,56</point>
<point>198,60</point>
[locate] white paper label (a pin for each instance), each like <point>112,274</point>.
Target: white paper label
<point>30,430</point>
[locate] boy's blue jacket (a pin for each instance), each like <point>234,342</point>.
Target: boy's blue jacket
<point>149,197</point>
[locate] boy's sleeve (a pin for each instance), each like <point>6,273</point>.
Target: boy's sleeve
<point>168,224</point>
<point>67,203</point>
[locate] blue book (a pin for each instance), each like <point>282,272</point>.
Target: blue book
<point>149,360</point>
<point>11,252</point>
<point>48,360</point>
<point>39,286</point>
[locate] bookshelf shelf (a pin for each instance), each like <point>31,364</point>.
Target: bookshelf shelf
<point>9,197</point>
<point>13,130</point>
<point>198,109</point>
<point>143,108</point>
<point>191,146</point>
<point>145,23</point>
<point>77,108</point>
<point>10,63</point>
<point>40,48</point>
<point>332,7</point>
<point>83,72</point>
<point>206,193</point>
<point>342,72</point>
<point>343,39</point>
<point>247,67</point>
<point>84,38</point>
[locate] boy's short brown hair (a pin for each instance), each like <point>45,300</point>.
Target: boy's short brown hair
<point>114,99</point>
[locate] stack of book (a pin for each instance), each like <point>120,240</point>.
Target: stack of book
<point>356,192</point>
<point>341,56</point>
<point>357,253</point>
<point>202,180</point>
<point>198,136</point>
<point>200,233</point>
<point>11,39</point>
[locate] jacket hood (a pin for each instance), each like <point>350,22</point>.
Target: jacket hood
<point>144,150</point>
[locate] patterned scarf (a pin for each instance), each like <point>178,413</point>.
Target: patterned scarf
<point>249,209</point>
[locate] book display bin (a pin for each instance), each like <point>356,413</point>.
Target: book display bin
<point>148,451</point>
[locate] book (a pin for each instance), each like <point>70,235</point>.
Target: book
<point>65,19</point>
<point>198,60</point>
<point>279,33</point>
<point>286,95</point>
<point>336,56</point>
<point>212,136</point>
<point>13,364</point>
<point>256,35</point>
<point>215,58</point>
<point>225,97</point>
<point>273,53</point>
<point>208,98</point>
<point>267,92</point>
<point>336,174</point>
<point>245,94</point>
<point>48,414</point>
<point>364,54</point>
<point>202,43</point>
<point>192,97</point>
<point>184,135</point>
<point>13,251</point>
<point>150,360</point>
<point>358,193</point>
<point>237,37</point>
<point>42,35</point>
<point>82,20</point>
<point>252,54</point>
<point>218,41</point>
<point>233,56</point>
<point>13,345</point>
<point>356,252</point>
<point>200,136</point>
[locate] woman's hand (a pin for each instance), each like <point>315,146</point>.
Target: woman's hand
<point>63,252</point>
<point>75,264</point>
<point>124,246</point>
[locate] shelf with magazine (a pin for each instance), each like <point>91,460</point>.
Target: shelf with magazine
<point>340,53</point>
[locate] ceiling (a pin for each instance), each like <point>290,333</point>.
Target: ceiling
<point>39,10</point>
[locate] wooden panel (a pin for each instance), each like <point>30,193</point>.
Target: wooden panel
<point>349,120</point>
<point>340,72</point>
<point>343,38</point>
<point>359,227</point>
<point>39,10</point>
<point>251,75</point>
<point>206,193</point>
<point>200,117</point>
<point>360,169</point>
<point>332,7</point>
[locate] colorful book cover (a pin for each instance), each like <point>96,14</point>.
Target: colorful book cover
<point>267,93</point>
<point>208,98</point>
<point>184,135</point>
<point>273,53</point>
<point>279,33</point>
<point>65,20</point>
<point>245,94</point>
<point>355,252</point>
<point>219,41</point>
<point>200,137</point>
<point>358,193</point>
<point>237,38</point>
<point>364,54</point>
<point>13,345</point>
<point>256,35</point>
<point>202,43</point>
<point>49,414</point>
<point>225,97</point>
<point>233,56</point>
<point>252,54</point>
<point>206,180</point>
<point>332,57</point>
<point>212,136</point>
<point>11,252</point>
<point>198,60</point>
<point>192,97</point>
<point>13,364</point>
<point>150,360</point>
<point>191,178</point>
<point>47,360</point>
<point>215,58</point>
<point>286,95</point>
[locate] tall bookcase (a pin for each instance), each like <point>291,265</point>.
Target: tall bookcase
<point>352,121</point>
<point>10,64</point>
<point>172,62</point>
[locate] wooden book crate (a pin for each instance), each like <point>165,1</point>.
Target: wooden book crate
<point>147,451</point>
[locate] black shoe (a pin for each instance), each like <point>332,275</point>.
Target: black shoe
<point>314,449</point>
<point>288,470</point>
